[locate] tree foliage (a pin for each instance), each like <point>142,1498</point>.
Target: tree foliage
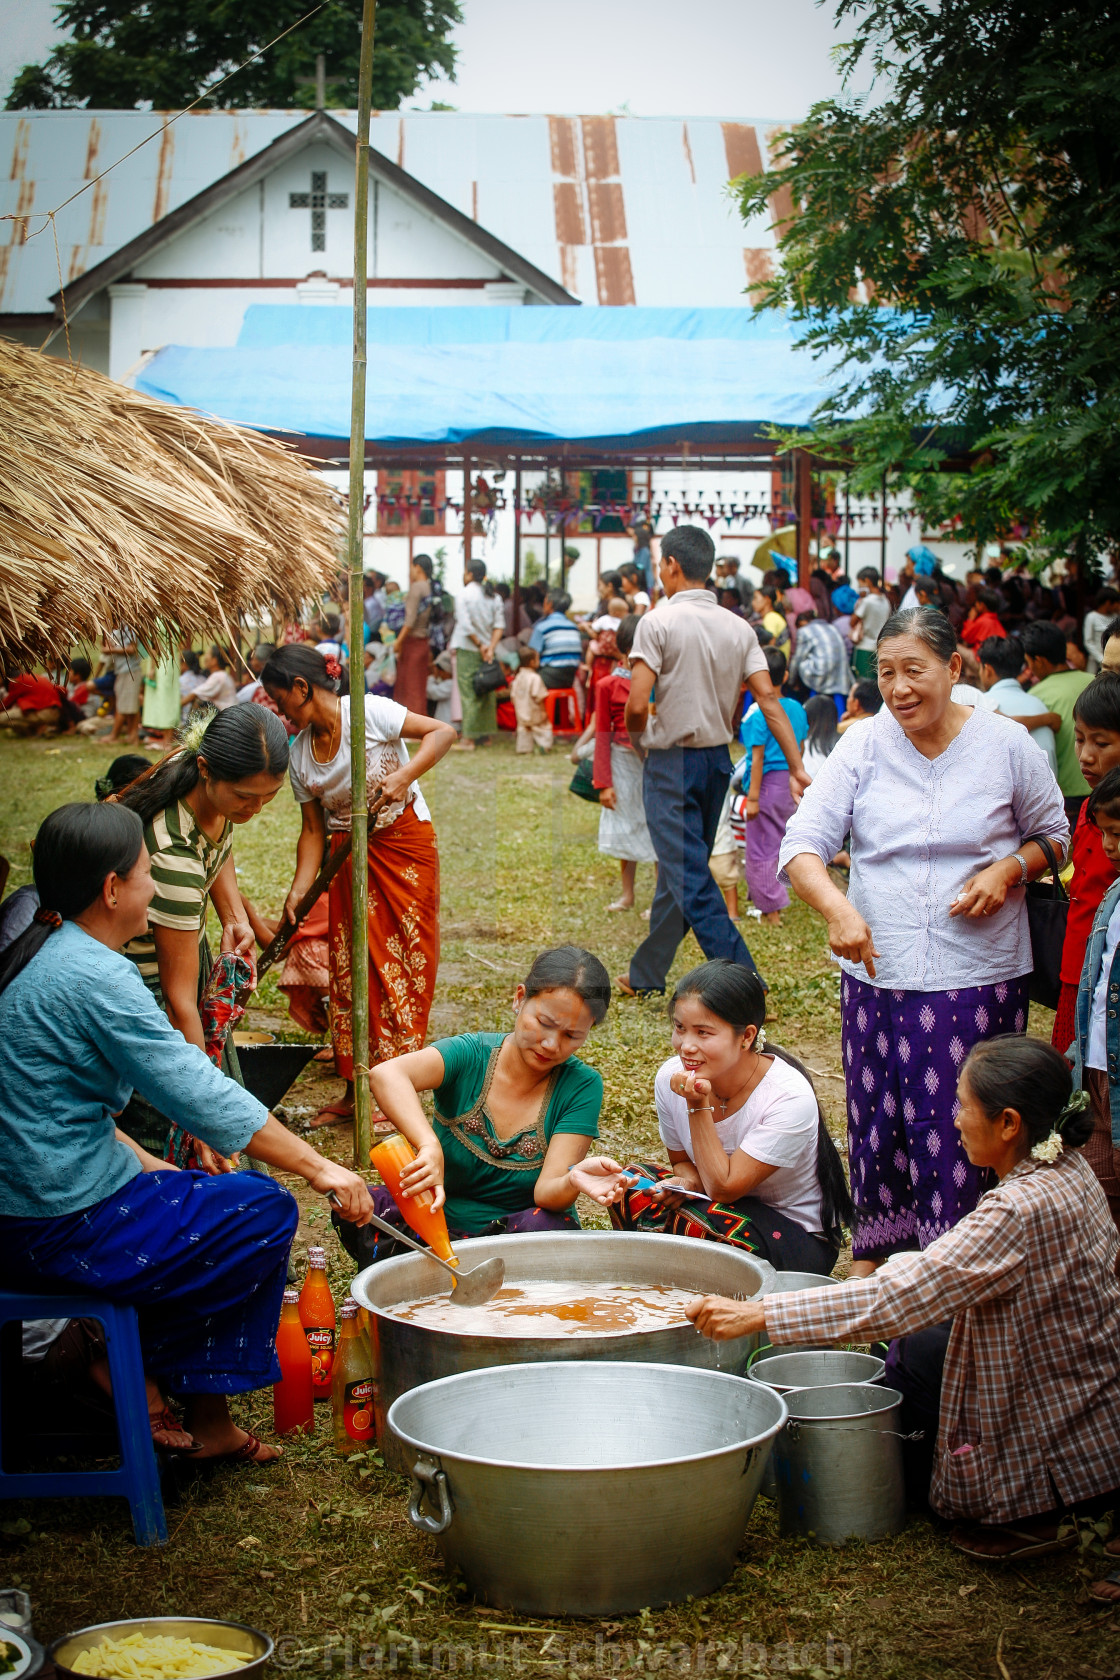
<point>169,52</point>
<point>954,241</point>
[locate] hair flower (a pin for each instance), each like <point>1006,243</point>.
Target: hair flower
<point>759,1044</point>
<point>199,722</point>
<point>1049,1149</point>
<point>334,669</point>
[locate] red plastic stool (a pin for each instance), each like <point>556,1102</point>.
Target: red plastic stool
<point>571,703</point>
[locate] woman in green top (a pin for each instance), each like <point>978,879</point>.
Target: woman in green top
<point>228,768</point>
<point>514,1112</point>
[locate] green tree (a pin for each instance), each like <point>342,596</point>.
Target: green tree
<point>951,245</point>
<point>170,51</point>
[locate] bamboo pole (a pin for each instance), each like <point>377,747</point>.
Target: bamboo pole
<point>359,814</point>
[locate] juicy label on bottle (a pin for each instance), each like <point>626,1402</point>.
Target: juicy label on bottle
<point>321,1342</point>
<point>357,1409</point>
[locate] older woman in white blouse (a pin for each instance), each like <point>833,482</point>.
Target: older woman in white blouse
<point>940,799</point>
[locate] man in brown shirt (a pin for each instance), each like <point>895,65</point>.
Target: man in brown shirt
<point>693,659</point>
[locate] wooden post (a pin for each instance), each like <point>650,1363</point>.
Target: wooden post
<point>848,520</point>
<point>468,513</point>
<point>517,546</point>
<point>883,531</point>
<point>359,811</point>
<point>803,480</point>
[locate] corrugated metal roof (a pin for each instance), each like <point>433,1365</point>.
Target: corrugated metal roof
<point>617,209</point>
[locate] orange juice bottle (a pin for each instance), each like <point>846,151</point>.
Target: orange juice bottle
<point>353,1387</point>
<point>391,1156</point>
<point>317,1315</point>
<point>292,1405</point>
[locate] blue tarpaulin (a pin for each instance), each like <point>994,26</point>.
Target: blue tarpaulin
<point>502,375</point>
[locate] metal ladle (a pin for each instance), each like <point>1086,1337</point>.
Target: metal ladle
<point>469,1289</point>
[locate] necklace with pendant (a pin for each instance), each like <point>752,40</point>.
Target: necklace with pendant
<point>725,1102</point>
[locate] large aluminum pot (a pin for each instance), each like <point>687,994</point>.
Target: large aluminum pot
<point>587,1488</point>
<point>411,1354</point>
<point>838,1464</point>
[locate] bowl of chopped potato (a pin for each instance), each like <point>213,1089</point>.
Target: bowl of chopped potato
<point>161,1648</point>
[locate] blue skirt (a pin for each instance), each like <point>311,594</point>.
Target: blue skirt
<point>203,1260</point>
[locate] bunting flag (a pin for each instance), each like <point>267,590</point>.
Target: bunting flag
<point>564,519</point>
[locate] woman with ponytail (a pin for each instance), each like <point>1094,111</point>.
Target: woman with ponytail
<point>229,765</point>
<point>82,1206</point>
<point>1007,1325</point>
<point>743,1127</point>
<point>401,859</point>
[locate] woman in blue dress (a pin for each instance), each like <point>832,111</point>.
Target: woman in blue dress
<point>203,1259</point>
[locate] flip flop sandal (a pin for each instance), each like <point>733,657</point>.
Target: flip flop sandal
<point>1112,1580</point>
<point>1031,1544</point>
<point>244,1454</point>
<point>338,1113</point>
<point>166,1420</point>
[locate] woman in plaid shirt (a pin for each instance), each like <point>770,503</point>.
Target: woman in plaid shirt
<point>1027,1407</point>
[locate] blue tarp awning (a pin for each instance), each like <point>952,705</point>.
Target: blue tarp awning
<point>503,375</point>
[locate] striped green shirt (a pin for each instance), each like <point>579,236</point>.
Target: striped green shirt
<point>185,865</point>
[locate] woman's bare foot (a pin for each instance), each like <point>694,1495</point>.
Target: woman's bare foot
<point>167,1432</point>
<point>335,1113</point>
<point>219,1437</point>
<point>1107,1591</point>
<point>773,917</point>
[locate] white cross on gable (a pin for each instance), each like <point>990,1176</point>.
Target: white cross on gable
<point>319,201</point>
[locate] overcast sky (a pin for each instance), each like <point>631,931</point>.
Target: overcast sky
<point>734,58</point>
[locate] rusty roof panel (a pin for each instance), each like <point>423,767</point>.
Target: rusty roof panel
<point>613,275</point>
<point>608,213</point>
<point>562,141</point>
<point>744,156</point>
<point>600,148</point>
<point>571,228</point>
<point>552,187</point>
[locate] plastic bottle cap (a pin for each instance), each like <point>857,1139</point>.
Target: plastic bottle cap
<point>291,1297</point>
<point>348,1309</point>
<point>317,1257</point>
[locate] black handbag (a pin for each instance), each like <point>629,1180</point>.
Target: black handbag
<point>488,679</point>
<point>1047,913</point>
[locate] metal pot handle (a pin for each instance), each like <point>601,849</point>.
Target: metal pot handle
<point>428,1476</point>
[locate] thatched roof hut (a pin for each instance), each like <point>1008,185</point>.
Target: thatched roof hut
<point>117,509</point>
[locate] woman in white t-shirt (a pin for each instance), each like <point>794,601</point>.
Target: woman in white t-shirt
<point>744,1134</point>
<point>402,861</point>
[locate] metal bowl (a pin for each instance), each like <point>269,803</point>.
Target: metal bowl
<point>411,1354</point>
<point>228,1636</point>
<point>587,1488</point>
<point>783,1369</point>
<point>28,1654</point>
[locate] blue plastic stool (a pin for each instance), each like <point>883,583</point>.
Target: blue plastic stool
<point>137,1480</point>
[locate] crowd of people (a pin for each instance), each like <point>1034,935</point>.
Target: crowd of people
<point>914,756</point>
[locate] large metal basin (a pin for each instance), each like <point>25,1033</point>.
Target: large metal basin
<point>412,1354</point>
<point>587,1488</point>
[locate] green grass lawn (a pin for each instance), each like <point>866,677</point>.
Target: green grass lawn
<point>319,1551</point>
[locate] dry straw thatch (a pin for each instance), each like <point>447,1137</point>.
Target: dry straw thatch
<point>117,509</point>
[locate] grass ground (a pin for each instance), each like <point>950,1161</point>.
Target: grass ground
<point>319,1550</point>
